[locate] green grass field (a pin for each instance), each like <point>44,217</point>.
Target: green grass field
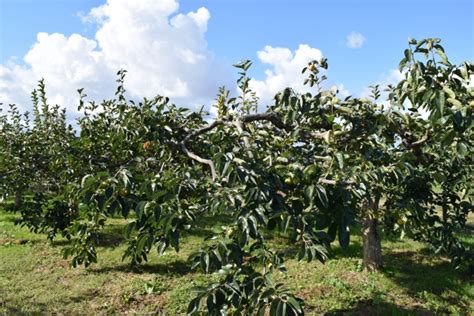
<point>34,278</point>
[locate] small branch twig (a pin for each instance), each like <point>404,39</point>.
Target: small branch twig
<point>409,141</point>
<point>319,135</point>
<point>324,158</point>
<point>334,182</point>
<point>418,143</point>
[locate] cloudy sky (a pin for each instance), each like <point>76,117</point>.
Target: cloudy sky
<point>184,49</point>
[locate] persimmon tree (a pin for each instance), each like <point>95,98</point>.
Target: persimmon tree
<point>438,195</point>
<point>13,156</point>
<point>35,165</point>
<point>312,166</point>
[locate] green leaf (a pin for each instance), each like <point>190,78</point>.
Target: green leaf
<point>194,306</point>
<point>442,55</point>
<point>440,102</point>
<point>294,303</point>
<point>157,213</point>
<point>461,149</point>
<point>402,64</point>
<point>408,55</point>
<point>274,307</point>
<point>309,192</point>
<point>448,137</point>
<point>139,208</point>
<point>332,231</point>
<point>281,309</point>
<point>322,196</point>
<point>340,160</point>
<point>244,64</point>
<point>310,172</point>
<point>174,240</point>
<point>141,243</point>
<point>252,224</point>
<point>344,234</point>
<point>125,207</point>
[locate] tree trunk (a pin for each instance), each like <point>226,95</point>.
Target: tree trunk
<point>372,246</point>
<point>18,199</point>
<point>445,213</point>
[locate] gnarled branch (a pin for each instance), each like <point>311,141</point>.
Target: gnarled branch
<point>270,117</point>
<point>192,155</point>
<point>238,124</point>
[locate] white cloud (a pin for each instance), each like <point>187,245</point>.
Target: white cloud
<point>285,70</point>
<point>165,52</point>
<point>394,76</point>
<point>342,91</point>
<point>355,40</point>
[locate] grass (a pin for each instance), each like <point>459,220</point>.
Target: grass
<point>34,278</point>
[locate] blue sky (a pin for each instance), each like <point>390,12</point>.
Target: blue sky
<point>239,29</point>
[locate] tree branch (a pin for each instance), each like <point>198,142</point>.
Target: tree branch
<point>270,117</point>
<point>202,130</point>
<point>237,123</point>
<point>419,142</point>
<point>192,155</point>
<point>324,158</point>
<point>334,182</point>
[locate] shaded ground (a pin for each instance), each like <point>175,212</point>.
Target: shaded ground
<point>35,278</point>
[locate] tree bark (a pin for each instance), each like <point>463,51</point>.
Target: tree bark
<point>18,199</point>
<point>445,214</point>
<point>372,246</point>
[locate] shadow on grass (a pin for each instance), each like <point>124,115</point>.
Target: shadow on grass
<point>371,307</point>
<point>8,309</point>
<point>354,250</point>
<point>111,236</point>
<point>199,232</point>
<point>210,221</point>
<point>8,241</point>
<point>60,242</point>
<point>173,268</point>
<point>38,308</point>
<point>421,276</point>
<point>421,273</point>
<point>106,240</point>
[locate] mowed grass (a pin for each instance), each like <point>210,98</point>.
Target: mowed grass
<point>34,278</point>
